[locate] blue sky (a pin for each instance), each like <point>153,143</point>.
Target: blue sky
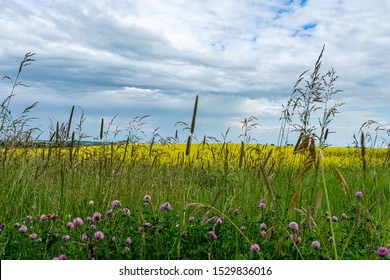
<point>125,59</point>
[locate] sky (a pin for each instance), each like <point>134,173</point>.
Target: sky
<point>119,60</point>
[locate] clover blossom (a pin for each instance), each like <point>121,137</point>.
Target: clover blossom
<point>98,236</point>
<point>165,206</point>
<point>33,236</point>
<point>255,248</point>
<point>78,222</point>
<point>96,217</point>
<point>23,229</point>
<point>116,204</point>
<point>382,252</point>
<point>213,236</point>
<point>70,225</point>
<point>293,226</point>
<point>295,238</point>
<point>315,244</point>
<point>262,204</point>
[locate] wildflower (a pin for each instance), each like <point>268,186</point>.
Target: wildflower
<point>358,194</point>
<point>191,219</point>
<point>116,204</point>
<point>148,225</point>
<point>367,247</point>
<point>334,219</point>
<point>382,252</point>
<point>243,228</point>
<point>147,198</point>
<point>127,249</point>
<point>98,236</point>
<point>39,239</point>
<point>205,218</point>
<point>255,248</point>
<point>343,216</point>
<point>91,203</point>
<point>55,259</point>
<point>165,206</point>
<point>78,222</point>
<point>235,211</point>
<point>263,226</point>
<point>213,236</point>
<point>88,219</point>
<point>326,213</point>
<point>262,204</point>
<point>2,226</point>
<point>66,238</point>
<point>23,229</point>
<point>33,236</point>
<point>110,213</point>
<point>93,227</point>
<point>16,225</point>
<point>63,257</point>
<point>295,238</point>
<point>126,211</point>
<point>141,229</point>
<point>70,225</point>
<point>29,218</point>
<point>218,221</point>
<point>315,244</point>
<point>293,226</point>
<point>96,217</point>
<point>128,240</point>
<point>43,218</point>
<point>263,233</point>
<point>330,239</point>
<point>113,239</point>
<point>85,237</point>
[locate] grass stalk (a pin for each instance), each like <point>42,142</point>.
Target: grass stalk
<point>327,203</point>
<point>192,128</point>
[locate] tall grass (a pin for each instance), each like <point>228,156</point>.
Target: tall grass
<point>210,200</point>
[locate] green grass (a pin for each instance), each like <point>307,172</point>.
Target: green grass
<point>34,186</point>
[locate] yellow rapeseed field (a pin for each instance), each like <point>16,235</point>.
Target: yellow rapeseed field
<point>223,154</point>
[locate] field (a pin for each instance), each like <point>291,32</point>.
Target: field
<point>163,200</point>
<point>137,201</point>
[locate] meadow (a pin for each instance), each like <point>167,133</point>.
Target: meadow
<point>212,199</point>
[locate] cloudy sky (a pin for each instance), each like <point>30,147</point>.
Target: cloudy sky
<point>125,59</point>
